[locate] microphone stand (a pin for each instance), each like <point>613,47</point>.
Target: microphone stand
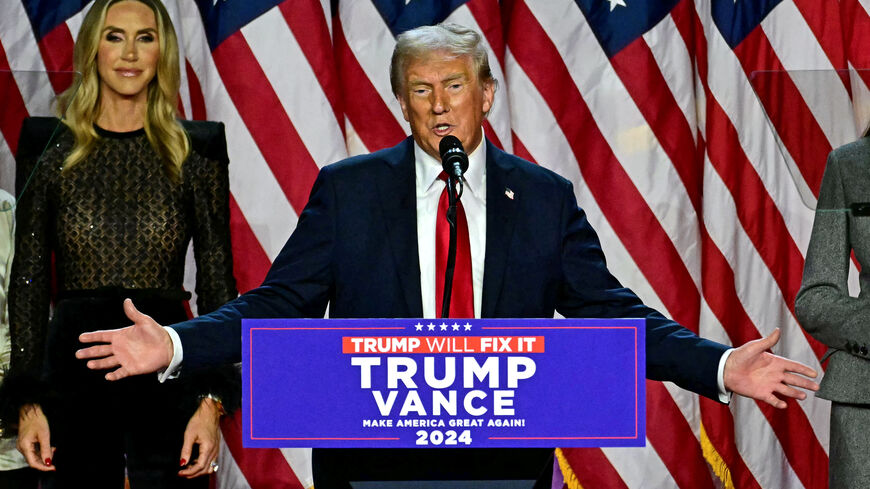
<point>452,200</point>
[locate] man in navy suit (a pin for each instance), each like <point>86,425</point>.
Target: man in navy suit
<point>365,247</point>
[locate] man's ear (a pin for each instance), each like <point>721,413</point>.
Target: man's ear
<point>404,105</point>
<point>488,95</point>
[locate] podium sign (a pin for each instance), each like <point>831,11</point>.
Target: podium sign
<point>406,383</point>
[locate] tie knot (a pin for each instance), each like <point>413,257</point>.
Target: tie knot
<point>442,176</point>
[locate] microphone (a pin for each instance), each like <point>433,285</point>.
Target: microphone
<point>454,161</point>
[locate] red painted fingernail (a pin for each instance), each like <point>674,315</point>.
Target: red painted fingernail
<point>48,461</point>
<point>183,462</point>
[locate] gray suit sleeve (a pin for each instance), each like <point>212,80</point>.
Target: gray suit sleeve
<point>823,305</point>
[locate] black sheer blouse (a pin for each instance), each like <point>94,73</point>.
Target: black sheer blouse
<point>115,220</point>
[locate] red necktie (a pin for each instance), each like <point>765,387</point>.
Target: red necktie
<point>462,296</point>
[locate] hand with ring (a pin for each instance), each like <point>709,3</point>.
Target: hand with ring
<point>203,430</point>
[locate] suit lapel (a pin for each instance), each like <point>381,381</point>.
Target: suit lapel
<point>398,203</point>
<point>501,207</point>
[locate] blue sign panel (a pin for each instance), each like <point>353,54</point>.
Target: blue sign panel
<point>405,383</point>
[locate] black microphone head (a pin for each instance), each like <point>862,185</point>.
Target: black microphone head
<point>452,153</point>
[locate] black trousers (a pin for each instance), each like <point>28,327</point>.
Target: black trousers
<point>25,478</point>
<point>103,429</point>
<point>336,468</point>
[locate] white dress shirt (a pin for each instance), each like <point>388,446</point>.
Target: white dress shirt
<point>429,188</point>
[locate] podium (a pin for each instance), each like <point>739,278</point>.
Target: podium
<point>417,403</point>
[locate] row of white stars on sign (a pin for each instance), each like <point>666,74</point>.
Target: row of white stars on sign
<point>443,326</point>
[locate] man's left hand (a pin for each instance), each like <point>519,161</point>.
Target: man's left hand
<point>754,372</point>
<point>142,348</point>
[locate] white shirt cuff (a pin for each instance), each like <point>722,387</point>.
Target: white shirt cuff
<point>724,395</point>
<point>173,370</point>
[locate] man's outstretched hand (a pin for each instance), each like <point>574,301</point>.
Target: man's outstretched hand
<point>754,372</point>
<point>142,348</point>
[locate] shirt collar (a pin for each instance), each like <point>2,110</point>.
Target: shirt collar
<point>428,168</point>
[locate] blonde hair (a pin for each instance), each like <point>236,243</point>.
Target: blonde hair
<point>80,107</point>
<point>454,39</point>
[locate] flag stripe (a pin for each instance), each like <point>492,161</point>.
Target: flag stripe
<point>372,120</point>
<point>757,220</point>
<point>824,21</point>
<point>763,302</point>
<point>251,180</point>
<point>757,139</point>
<point>315,135</point>
<point>520,149</point>
<point>677,446</point>
<point>825,93</point>
<point>367,37</point>
<point>197,101</point>
<point>721,296</point>
<point>805,141</point>
<point>487,14</point>
<point>721,301</point>
<point>592,469</point>
<point>250,267</point>
<point>856,33</point>
<point>719,426</point>
<point>270,127</point>
<point>56,49</point>
<point>24,58</point>
<point>13,104</point>
<point>638,69</point>
<point>307,20</point>
<point>756,211</point>
<point>262,467</point>
<point>673,52</point>
<point>483,16</point>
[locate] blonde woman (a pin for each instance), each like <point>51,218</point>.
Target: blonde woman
<point>115,200</point>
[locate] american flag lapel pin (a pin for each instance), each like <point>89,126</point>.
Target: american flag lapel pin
<point>509,193</point>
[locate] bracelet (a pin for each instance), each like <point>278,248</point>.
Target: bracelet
<point>215,399</point>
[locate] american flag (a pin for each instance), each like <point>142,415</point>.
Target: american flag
<point>695,133</point>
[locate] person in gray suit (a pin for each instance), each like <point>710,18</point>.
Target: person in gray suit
<point>828,313</point>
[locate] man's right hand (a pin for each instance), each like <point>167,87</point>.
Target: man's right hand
<point>34,440</point>
<point>142,348</point>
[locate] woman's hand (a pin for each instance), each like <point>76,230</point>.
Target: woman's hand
<point>203,429</point>
<point>34,440</point>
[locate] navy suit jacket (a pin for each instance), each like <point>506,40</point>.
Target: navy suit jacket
<point>355,250</point>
